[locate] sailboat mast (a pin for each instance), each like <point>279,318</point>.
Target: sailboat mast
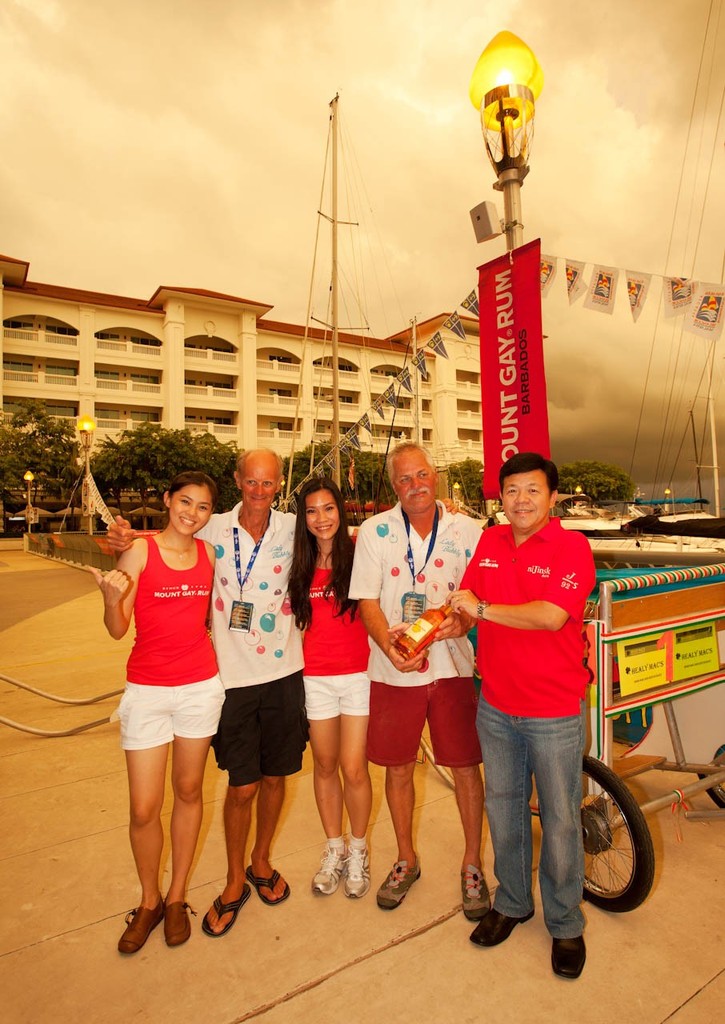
<point>416,417</point>
<point>334,303</point>
<point>713,436</point>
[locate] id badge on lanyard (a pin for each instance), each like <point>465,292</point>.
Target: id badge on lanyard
<point>242,613</point>
<point>414,604</point>
<point>241,616</point>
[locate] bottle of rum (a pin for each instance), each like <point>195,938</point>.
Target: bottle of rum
<point>422,632</point>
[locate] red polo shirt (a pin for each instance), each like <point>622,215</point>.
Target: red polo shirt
<point>533,673</point>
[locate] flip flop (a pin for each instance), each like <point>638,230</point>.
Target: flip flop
<point>267,883</point>
<point>232,908</point>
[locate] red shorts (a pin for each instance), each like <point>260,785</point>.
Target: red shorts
<point>398,714</point>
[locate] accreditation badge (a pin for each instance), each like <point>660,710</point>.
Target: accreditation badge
<point>240,619</point>
<point>413,606</point>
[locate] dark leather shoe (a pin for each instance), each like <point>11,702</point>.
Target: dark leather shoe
<point>177,926</point>
<point>496,928</point>
<point>141,922</point>
<point>568,956</point>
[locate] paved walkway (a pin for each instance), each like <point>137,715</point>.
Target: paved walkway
<point>67,878</point>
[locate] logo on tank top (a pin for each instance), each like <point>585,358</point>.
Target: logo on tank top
<point>569,583</point>
<point>488,563</point>
<point>185,590</point>
<point>540,570</point>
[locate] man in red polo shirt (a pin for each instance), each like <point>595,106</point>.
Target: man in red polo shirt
<point>527,585</point>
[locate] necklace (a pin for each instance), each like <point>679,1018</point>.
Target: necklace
<point>175,551</point>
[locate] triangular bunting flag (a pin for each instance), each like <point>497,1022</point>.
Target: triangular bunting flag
<point>364,422</point>
<point>602,289</point>
<point>404,379</point>
<point>453,323</point>
<point>390,397</point>
<point>705,316</point>
<point>436,343</point>
<point>418,361</point>
<point>575,284</point>
<point>637,292</point>
<point>470,303</point>
<point>547,273</point>
<point>676,295</point>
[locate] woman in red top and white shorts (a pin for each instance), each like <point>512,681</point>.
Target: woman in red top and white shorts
<point>173,696</point>
<point>337,687</point>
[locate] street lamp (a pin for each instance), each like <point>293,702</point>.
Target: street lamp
<point>457,494</point>
<point>28,478</point>
<point>86,427</point>
<point>668,492</point>
<point>504,86</point>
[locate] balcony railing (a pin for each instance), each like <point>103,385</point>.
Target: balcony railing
<point>109,345</point>
<point>220,429</point>
<point>276,400</point>
<point>20,377</point>
<point>326,373</point>
<point>210,391</point>
<point>273,365</point>
<point>140,387</point>
<point>39,337</point>
<point>210,355</point>
<point>276,434</point>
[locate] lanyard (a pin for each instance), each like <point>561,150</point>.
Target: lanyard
<point>431,545</point>
<point>252,559</point>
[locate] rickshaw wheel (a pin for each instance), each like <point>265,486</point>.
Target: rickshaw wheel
<point>619,857</point>
<point>717,793</point>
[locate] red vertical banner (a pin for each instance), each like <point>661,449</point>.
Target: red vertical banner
<point>513,382</point>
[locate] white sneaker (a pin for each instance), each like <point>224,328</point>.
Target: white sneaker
<point>332,865</point>
<point>357,873</point>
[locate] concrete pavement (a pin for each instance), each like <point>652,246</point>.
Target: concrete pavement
<point>67,878</point>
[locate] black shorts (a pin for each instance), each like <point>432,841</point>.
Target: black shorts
<point>263,730</point>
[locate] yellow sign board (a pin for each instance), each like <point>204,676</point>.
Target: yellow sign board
<point>695,652</point>
<point>662,658</point>
<point>642,664</point>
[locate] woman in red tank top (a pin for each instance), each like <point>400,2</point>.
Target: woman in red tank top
<point>337,688</point>
<point>173,696</point>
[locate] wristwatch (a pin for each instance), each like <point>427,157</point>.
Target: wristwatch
<point>481,608</point>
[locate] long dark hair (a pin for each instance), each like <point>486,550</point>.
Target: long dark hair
<point>305,557</point>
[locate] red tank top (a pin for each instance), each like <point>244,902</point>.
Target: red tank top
<point>171,645</point>
<point>334,645</point>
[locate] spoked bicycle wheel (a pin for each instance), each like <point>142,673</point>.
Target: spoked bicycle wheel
<point>619,857</point>
<point>717,793</point>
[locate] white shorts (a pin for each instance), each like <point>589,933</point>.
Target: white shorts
<point>332,696</point>
<point>151,716</point>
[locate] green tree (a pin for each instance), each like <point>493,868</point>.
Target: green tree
<point>468,475</point>
<point>34,440</point>
<point>148,458</point>
<point>598,480</point>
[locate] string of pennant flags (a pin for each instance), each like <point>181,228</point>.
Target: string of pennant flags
<point>390,397</point>
<point>701,304</point>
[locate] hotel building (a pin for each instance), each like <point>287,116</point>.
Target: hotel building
<point>206,361</point>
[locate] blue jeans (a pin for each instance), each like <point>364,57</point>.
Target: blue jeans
<point>551,750</point>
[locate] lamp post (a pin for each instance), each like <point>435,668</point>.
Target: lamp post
<point>86,427</point>
<point>504,87</point>
<point>28,478</point>
<point>668,507</point>
<point>456,494</point>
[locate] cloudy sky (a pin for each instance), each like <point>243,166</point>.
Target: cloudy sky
<point>175,142</point>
